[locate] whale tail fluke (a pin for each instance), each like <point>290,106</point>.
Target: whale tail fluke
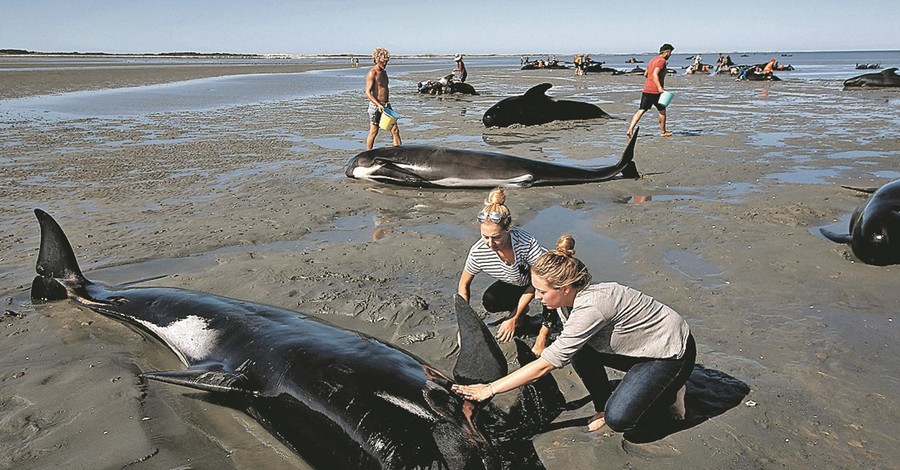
<point>629,170</point>
<point>56,266</point>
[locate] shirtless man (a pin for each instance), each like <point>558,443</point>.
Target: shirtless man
<point>379,96</point>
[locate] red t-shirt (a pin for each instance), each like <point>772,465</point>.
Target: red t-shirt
<point>650,84</point>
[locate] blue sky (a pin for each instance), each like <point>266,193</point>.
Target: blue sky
<point>472,27</point>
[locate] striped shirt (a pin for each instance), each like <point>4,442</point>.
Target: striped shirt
<point>526,249</point>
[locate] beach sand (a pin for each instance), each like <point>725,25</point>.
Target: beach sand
<point>796,339</point>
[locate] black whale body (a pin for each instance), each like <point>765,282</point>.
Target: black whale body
<point>885,78</point>
<point>874,234</point>
<point>339,398</point>
<point>535,107</point>
<point>423,166</point>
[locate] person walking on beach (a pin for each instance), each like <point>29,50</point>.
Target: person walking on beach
<point>653,87</point>
<point>506,254</point>
<point>460,73</point>
<point>607,325</point>
<point>378,94</point>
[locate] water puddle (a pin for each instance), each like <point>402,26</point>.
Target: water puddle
<point>699,270</point>
<point>604,256</point>
<point>807,175</point>
<point>730,192</point>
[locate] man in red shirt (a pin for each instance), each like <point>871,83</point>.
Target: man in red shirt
<point>653,87</point>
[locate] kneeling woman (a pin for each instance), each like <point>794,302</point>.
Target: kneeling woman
<point>506,253</point>
<point>607,324</point>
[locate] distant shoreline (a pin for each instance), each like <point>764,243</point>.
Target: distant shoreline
<point>230,55</point>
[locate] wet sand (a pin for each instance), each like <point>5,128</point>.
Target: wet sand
<point>796,339</point>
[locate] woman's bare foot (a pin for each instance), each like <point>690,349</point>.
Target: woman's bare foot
<point>596,422</point>
<point>665,134</point>
<point>677,410</point>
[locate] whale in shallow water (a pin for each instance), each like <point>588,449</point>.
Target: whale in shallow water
<point>885,78</point>
<point>339,398</point>
<point>874,227</point>
<point>534,107</point>
<point>438,167</point>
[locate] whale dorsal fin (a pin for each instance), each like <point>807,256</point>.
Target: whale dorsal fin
<point>206,377</point>
<point>538,91</point>
<point>480,358</point>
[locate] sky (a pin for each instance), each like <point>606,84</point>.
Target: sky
<point>407,27</point>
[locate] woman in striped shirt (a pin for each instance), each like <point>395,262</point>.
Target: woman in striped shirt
<point>505,253</point>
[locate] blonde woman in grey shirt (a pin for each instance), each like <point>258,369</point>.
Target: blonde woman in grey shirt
<point>607,325</point>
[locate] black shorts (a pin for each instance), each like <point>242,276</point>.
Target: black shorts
<point>651,99</point>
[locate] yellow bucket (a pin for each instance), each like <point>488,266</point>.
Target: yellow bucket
<point>388,119</point>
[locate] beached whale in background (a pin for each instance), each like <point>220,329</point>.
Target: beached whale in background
<point>423,166</point>
<point>874,227</point>
<point>534,107</point>
<point>885,78</point>
<point>445,86</point>
<point>339,398</point>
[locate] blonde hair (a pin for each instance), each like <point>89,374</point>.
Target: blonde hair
<point>496,202</point>
<point>380,54</point>
<point>560,267</point>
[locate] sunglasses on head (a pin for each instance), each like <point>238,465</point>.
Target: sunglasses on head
<point>494,217</point>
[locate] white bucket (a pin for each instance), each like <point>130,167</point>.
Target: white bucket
<point>388,119</point>
<point>665,98</point>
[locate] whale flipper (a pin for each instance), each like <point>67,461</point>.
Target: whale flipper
<point>407,175</point>
<point>209,378</point>
<point>480,358</point>
<point>836,237</point>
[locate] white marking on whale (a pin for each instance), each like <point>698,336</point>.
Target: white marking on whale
<point>190,337</point>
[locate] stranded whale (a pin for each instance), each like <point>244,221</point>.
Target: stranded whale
<point>885,78</point>
<point>534,107</point>
<point>339,398</point>
<point>875,227</point>
<point>437,167</point>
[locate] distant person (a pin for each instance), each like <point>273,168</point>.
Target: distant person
<point>607,325</point>
<point>769,68</point>
<point>379,96</point>
<point>720,62</point>
<point>460,73</point>
<point>653,87</point>
<point>505,253</point>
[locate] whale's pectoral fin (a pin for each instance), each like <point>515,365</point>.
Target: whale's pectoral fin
<point>206,377</point>
<point>836,237</point>
<point>480,359</point>
<point>867,190</point>
<point>390,165</point>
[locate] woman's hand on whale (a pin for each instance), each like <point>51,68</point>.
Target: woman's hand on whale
<point>474,392</point>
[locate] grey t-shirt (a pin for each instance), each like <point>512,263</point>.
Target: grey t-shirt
<point>617,319</point>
